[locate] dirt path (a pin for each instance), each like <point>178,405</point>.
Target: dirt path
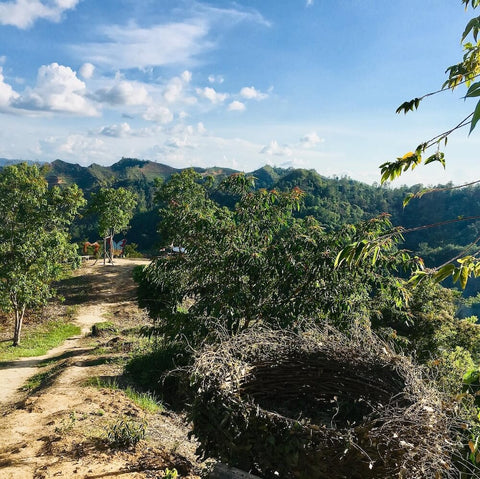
<point>14,374</point>
<point>59,430</point>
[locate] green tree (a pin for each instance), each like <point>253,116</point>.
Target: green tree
<point>34,240</point>
<point>256,264</point>
<point>115,208</point>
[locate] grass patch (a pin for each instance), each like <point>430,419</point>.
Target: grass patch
<point>147,401</point>
<point>43,379</point>
<point>102,328</point>
<point>39,340</point>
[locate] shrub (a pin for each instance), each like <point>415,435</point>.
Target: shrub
<point>126,433</point>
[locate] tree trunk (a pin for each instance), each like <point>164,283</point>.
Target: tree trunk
<point>111,246</point>
<point>19,313</point>
<point>104,250</point>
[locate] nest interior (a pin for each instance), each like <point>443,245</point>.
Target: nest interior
<point>314,389</point>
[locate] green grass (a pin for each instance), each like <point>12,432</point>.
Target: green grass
<point>147,401</point>
<point>144,400</point>
<point>102,328</point>
<point>39,341</point>
<point>43,379</point>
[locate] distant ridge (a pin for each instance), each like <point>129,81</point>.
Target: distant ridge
<point>13,161</point>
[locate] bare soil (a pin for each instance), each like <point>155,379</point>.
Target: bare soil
<point>58,429</point>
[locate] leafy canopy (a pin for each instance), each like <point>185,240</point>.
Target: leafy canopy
<point>115,207</point>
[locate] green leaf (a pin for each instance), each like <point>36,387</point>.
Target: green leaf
<point>408,105</point>
<point>439,156</point>
<point>475,118</point>
<point>407,199</point>
<point>473,24</point>
<point>473,91</point>
<point>464,274</point>
<point>444,272</point>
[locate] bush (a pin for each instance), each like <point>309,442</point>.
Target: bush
<point>126,433</point>
<point>161,371</point>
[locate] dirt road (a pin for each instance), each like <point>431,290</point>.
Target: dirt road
<point>59,429</point>
<point>14,374</point>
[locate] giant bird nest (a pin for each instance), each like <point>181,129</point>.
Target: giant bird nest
<point>319,405</point>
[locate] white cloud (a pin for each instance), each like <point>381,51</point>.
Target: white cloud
<point>116,131</point>
<point>24,13</point>
<point>7,93</point>
<point>274,149</point>
<point>77,148</point>
<point>86,70</point>
<point>251,93</point>
<point>136,47</point>
<point>201,128</point>
<point>179,142</point>
<point>158,114</point>
<point>186,76</point>
<point>309,3</point>
<point>175,43</point>
<point>311,140</point>
<point>175,89</point>
<point>124,93</point>
<point>216,79</point>
<point>58,89</point>
<point>236,106</point>
<point>211,94</point>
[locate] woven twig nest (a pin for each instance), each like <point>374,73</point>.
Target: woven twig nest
<point>318,406</point>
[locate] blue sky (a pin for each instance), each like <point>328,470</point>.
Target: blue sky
<point>301,83</point>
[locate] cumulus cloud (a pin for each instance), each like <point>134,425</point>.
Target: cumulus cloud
<point>215,79</point>
<point>24,13</point>
<point>236,106</point>
<point>311,140</point>
<point>251,93</point>
<point>274,149</point>
<point>123,93</point>
<point>7,93</point>
<point>58,89</point>
<point>158,114</point>
<point>201,128</point>
<point>175,89</point>
<point>211,94</point>
<point>75,147</point>
<point>86,70</point>
<point>116,131</point>
<point>186,76</point>
<point>178,142</point>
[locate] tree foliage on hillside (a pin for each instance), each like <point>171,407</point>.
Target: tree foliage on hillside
<point>258,264</point>
<point>34,240</point>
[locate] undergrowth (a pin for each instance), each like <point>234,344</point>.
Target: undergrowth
<point>147,401</point>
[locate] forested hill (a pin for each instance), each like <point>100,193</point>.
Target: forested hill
<point>334,201</point>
